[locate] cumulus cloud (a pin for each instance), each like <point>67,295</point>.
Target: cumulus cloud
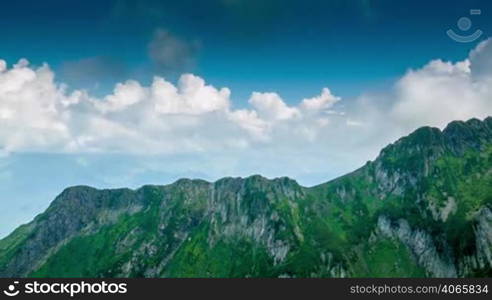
<point>444,91</point>
<point>321,102</point>
<point>31,112</point>
<point>433,95</point>
<point>39,114</point>
<point>271,107</point>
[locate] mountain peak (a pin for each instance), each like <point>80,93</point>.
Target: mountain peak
<point>457,137</point>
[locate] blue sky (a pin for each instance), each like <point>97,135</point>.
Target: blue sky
<point>306,89</point>
<point>291,47</point>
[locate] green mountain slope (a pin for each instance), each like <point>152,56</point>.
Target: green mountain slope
<point>422,208</point>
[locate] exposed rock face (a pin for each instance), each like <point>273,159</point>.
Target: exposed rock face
<point>483,239</point>
<point>422,246</point>
<point>246,209</point>
<point>422,208</point>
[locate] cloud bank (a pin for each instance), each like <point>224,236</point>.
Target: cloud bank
<point>38,114</point>
<point>191,117</point>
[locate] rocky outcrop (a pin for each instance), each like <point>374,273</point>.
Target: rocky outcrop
<point>422,246</point>
<point>483,234</point>
<point>248,209</point>
<point>482,258</point>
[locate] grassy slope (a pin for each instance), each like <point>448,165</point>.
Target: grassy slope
<point>10,244</point>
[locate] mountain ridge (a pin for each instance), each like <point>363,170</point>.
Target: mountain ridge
<point>421,208</point>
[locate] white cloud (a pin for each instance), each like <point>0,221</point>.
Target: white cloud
<point>443,91</point>
<point>3,66</point>
<point>192,96</point>
<point>433,95</point>
<point>31,109</point>
<point>124,95</point>
<point>323,101</point>
<point>251,122</point>
<point>481,60</point>
<point>271,107</point>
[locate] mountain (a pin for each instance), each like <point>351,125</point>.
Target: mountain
<point>423,207</point>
